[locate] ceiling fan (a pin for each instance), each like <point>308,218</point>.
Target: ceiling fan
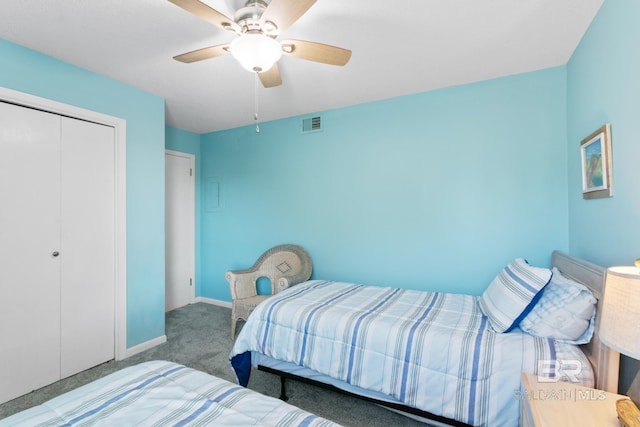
<point>258,24</point>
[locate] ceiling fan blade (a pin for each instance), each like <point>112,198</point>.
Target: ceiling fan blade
<point>317,52</point>
<point>204,53</point>
<point>283,13</point>
<point>271,77</point>
<point>207,13</point>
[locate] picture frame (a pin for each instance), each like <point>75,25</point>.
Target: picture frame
<point>595,153</point>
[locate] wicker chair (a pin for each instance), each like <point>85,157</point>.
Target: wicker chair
<point>283,265</point>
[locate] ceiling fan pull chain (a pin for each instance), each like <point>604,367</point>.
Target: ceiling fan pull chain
<point>255,102</point>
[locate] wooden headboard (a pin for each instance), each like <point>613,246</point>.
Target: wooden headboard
<point>605,362</point>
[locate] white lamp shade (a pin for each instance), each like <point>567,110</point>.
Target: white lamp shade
<point>620,321</point>
<point>255,52</point>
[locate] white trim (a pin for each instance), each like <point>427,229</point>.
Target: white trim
<point>120,131</point>
<point>192,203</point>
<point>212,301</point>
<point>121,239</point>
<point>145,346</point>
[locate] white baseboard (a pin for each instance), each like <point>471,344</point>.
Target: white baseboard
<point>144,346</point>
<point>218,302</point>
<point>162,339</point>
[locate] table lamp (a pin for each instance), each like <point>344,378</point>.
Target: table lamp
<point>620,321</point>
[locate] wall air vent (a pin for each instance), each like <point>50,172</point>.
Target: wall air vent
<point>312,124</point>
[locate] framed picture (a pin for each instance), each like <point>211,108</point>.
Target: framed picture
<point>595,151</point>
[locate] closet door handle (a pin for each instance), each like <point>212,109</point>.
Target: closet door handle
<point>55,253</point>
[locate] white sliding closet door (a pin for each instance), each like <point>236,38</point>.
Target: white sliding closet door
<point>29,235</point>
<point>88,246</point>
<point>57,247</point>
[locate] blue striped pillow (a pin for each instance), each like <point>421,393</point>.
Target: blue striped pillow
<point>513,293</point>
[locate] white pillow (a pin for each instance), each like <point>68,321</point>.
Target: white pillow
<point>566,311</point>
<point>512,294</point>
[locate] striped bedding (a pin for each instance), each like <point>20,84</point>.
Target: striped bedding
<point>432,351</point>
<point>160,393</point>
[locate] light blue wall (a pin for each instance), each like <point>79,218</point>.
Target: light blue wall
<point>189,142</point>
<point>435,191</point>
<point>28,71</point>
<point>604,86</point>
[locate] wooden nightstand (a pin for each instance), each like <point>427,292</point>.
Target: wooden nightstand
<point>564,404</point>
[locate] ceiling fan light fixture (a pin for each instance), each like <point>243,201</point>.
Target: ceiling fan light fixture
<point>255,52</point>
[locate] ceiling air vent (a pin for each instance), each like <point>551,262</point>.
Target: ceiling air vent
<point>311,124</point>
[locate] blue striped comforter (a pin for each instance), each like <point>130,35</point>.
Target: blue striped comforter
<point>432,351</point>
<point>162,393</point>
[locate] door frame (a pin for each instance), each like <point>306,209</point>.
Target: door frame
<point>120,157</point>
<point>192,205</point>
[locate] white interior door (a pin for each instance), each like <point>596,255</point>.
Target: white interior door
<point>179,230</point>
<point>29,236</point>
<point>88,245</point>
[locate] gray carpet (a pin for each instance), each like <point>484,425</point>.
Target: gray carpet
<point>198,336</point>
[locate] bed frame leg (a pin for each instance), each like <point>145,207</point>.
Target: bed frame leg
<point>283,392</point>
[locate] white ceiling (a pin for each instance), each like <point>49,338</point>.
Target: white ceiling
<point>399,47</point>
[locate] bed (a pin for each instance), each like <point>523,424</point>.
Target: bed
<point>163,393</point>
<point>446,358</point>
